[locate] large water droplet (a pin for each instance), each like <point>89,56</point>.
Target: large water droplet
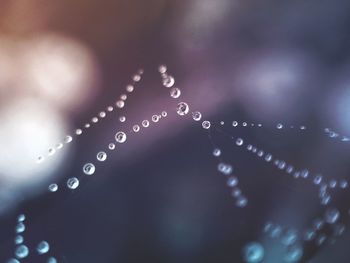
<point>89,168</point>
<point>253,253</point>
<point>73,183</point>
<point>101,156</point>
<point>120,137</point>
<point>43,247</point>
<point>182,108</point>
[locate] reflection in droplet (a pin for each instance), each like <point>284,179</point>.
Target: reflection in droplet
<point>101,156</point>
<point>22,251</point>
<point>120,137</point>
<point>43,247</point>
<point>182,108</point>
<point>89,168</point>
<point>73,183</point>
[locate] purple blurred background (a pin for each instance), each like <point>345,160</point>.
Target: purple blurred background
<point>159,198</point>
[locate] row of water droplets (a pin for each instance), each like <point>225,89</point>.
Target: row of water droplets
<point>327,131</point>
<point>253,252</point>
<point>331,215</point>
<point>89,168</point>
<point>334,135</point>
<point>291,239</point>
<point>22,251</point>
<point>183,109</point>
<point>101,156</point>
<point>121,136</point>
<point>119,104</point>
<point>232,181</point>
<point>316,179</point>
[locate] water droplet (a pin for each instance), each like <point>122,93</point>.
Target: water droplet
<point>279,126</point>
<point>136,78</point>
<point>120,104</point>
<point>53,187</point>
<point>13,260</point>
<point>225,168</point>
<point>22,251</point>
<point>110,108</point>
<point>78,131</point>
<point>145,123</point>
<point>321,239</point>
<point>40,159</point>
<point>331,215</point>
<point>59,146</point>
<point>136,128</point>
<point>164,114</point>
<point>162,69</point>
<point>281,165</point>
<point>206,124</point>
<point>20,228</point>
<point>111,146</point>
<point>267,227</point>
<point>236,192</point>
<point>290,237</point>
<point>155,118</point>
<point>122,118</point>
<point>197,116</point>
<point>102,114</point>
<point>332,183</point>
<point>239,142</point>
<point>276,232</point>
<point>244,124</point>
<point>338,230</point>
<point>68,139</point>
<point>309,235</point>
<point>123,97</point>
<point>304,173</point>
<point>241,201</point>
<point>94,119</point>
<point>43,247</point>
<point>168,81</point>
<point>73,183</point>
<point>343,184</point>
<point>52,151</point>
<point>87,125</point>
<point>232,181</point>
<point>217,152</point>
<point>296,174</point>
<point>294,254</point>
<point>235,124</point>
<point>19,240</point>
<point>290,169</point>
<point>318,179</point>
<point>101,156</point>
<point>260,153</point>
<point>21,218</point>
<point>89,168</point>
<point>51,260</point>
<point>175,93</point>
<point>120,137</point>
<point>182,108</point>
<point>253,253</point>
<point>129,88</point>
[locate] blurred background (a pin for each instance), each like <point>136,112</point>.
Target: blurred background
<point>159,198</point>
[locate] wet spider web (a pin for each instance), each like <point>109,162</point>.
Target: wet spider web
<point>226,138</point>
